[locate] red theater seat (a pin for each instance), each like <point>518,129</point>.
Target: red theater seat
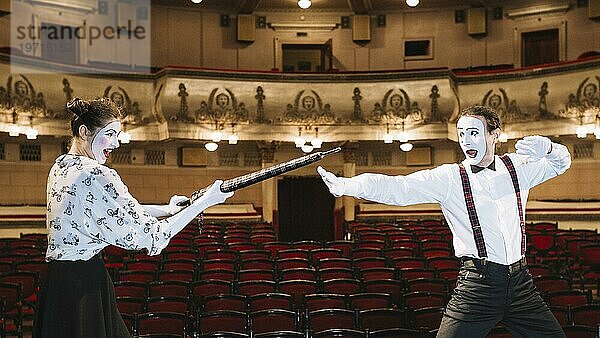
<point>224,302</point>
<point>168,288</point>
<point>378,319</point>
<point>326,319</point>
<point>273,320</point>
<point>370,300</point>
<point>160,323</point>
<point>298,288</point>
<point>228,321</point>
<point>320,301</point>
<point>266,301</point>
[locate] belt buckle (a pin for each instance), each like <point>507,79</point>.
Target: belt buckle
<point>516,266</point>
<point>479,262</point>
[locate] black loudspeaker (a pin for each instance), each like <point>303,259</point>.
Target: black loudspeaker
<point>224,20</point>
<point>361,28</point>
<point>261,22</point>
<point>246,28</point>
<point>497,13</point>
<point>345,21</point>
<point>459,16</point>
<point>476,21</point>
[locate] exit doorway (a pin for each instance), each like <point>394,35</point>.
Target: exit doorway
<point>539,47</point>
<point>305,209</point>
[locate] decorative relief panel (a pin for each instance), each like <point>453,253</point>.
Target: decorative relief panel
<point>537,101</point>
<point>308,109</point>
<point>130,109</point>
<point>20,95</point>
<point>269,106</point>
<point>206,101</point>
<point>222,106</point>
<point>585,102</point>
<point>507,109</point>
<point>396,108</point>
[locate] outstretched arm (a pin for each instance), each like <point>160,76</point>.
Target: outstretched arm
<point>424,186</point>
<point>165,210</point>
<point>122,221</point>
<point>546,159</point>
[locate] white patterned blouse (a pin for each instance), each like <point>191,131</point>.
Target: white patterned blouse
<point>89,207</point>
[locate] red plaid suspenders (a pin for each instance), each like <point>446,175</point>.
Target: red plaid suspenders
<point>515,181</point>
<point>475,226</point>
<point>468,193</point>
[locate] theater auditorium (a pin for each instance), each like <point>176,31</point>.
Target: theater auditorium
<point>158,168</point>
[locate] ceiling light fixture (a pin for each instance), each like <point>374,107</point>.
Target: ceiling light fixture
<point>211,146</point>
<point>196,1</point>
<point>14,130</point>
<point>387,137</point>
<point>304,4</point>
<point>403,135</point>
<point>406,146</point>
<point>299,140</point>
<point>233,138</point>
<point>307,148</point>
<point>316,142</point>
<point>581,130</point>
<point>31,132</point>
<point>503,138</point>
<point>216,136</point>
<point>124,137</point>
<point>412,3</point>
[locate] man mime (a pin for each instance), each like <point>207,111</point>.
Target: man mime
<point>483,200</point>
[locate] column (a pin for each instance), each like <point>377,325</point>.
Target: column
<point>349,170</point>
<point>267,152</point>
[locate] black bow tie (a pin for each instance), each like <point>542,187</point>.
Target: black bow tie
<point>475,168</point>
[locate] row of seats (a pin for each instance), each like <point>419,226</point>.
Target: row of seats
<point>291,295</point>
<point>329,322</point>
<point>314,256</point>
<point>411,294</point>
<point>270,320</point>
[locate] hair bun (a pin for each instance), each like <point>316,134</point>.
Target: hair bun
<point>77,106</point>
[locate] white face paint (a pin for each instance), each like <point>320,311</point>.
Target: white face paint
<point>472,138</point>
<point>105,141</point>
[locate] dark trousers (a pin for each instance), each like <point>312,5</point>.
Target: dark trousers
<point>487,293</point>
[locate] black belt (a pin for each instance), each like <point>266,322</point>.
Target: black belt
<point>479,263</point>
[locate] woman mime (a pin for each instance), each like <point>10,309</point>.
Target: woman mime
<point>89,208</point>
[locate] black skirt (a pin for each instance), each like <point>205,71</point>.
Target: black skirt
<point>78,300</point>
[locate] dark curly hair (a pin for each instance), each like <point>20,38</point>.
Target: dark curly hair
<point>93,113</point>
<point>491,116</point>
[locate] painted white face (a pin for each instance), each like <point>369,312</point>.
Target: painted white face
<point>471,137</point>
<point>105,141</point>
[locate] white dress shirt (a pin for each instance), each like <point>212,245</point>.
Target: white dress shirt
<point>89,207</point>
<point>493,195</point>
